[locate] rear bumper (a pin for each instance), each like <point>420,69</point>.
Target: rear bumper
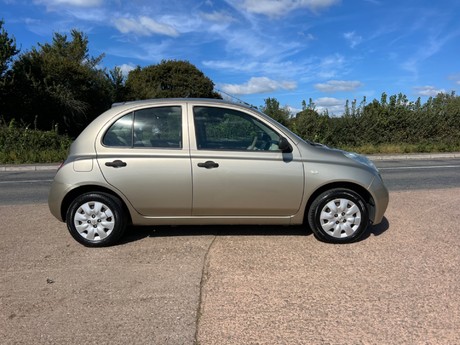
<point>55,197</point>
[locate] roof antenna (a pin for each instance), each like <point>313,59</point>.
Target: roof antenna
<point>235,99</point>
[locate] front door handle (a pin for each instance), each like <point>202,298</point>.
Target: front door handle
<point>208,165</point>
<point>116,164</point>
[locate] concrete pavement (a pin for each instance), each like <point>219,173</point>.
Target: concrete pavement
<point>235,285</point>
<point>29,167</point>
<point>400,285</point>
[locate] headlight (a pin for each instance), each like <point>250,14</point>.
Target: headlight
<point>361,159</point>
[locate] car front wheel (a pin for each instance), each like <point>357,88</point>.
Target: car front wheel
<point>338,216</point>
<point>96,219</point>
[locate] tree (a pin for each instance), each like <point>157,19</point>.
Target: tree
<point>310,125</point>
<point>59,84</point>
<point>304,105</point>
<point>169,79</point>
<point>7,49</point>
<point>117,81</point>
<point>272,108</point>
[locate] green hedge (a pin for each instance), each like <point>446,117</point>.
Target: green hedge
<point>24,145</point>
<point>394,126</point>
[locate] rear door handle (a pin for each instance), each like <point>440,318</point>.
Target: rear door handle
<point>208,165</point>
<point>116,164</point>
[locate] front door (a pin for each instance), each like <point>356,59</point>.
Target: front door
<point>238,169</point>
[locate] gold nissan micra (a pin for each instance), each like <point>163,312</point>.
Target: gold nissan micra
<point>203,161</point>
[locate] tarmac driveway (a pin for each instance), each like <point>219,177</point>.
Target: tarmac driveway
<point>235,285</point>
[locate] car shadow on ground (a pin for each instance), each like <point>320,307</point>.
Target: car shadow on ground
<point>377,230</point>
<point>136,233</point>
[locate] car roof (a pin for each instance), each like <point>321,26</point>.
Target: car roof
<point>182,100</point>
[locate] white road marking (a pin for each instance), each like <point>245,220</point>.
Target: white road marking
<point>422,167</point>
<point>24,181</point>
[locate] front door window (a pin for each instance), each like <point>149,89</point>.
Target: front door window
<point>227,129</point>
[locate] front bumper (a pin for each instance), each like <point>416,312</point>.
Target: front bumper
<point>381,199</point>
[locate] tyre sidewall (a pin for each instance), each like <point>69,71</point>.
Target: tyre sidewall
<point>324,198</point>
<point>113,203</point>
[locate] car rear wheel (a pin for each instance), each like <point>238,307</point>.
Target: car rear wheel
<point>96,219</point>
<point>338,216</point>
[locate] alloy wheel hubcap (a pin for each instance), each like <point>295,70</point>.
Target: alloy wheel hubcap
<point>340,218</point>
<point>94,221</point>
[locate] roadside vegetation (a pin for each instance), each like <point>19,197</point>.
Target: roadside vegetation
<point>25,145</point>
<point>389,125</point>
<point>50,93</point>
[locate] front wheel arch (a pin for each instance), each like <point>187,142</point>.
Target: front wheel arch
<point>363,192</point>
<point>344,226</point>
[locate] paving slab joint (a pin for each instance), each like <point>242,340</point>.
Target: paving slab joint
<point>204,279</point>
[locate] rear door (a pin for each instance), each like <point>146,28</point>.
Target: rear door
<point>145,155</point>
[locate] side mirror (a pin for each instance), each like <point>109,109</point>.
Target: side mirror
<point>284,145</point>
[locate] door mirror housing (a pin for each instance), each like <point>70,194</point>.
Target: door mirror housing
<point>284,145</point>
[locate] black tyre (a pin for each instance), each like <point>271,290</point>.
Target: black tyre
<point>338,216</point>
<point>96,219</point>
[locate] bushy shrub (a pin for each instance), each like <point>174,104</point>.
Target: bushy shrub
<point>393,126</point>
<point>24,145</point>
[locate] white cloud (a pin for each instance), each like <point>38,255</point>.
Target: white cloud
<point>330,66</point>
<point>232,65</point>
<point>257,85</point>
<point>293,110</point>
<point>304,70</point>
<point>76,3</point>
<point>308,36</point>
<point>352,38</point>
<point>332,105</point>
<point>148,52</point>
<point>328,102</point>
<point>278,68</point>
<point>239,41</point>
<point>126,68</point>
<point>218,17</point>
<point>144,26</point>
<point>428,91</point>
<point>278,8</point>
<point>93,15</point>
<point>338,85</point>
<point>434,43</point>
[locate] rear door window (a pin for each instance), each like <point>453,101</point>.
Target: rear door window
<point>159,127</point>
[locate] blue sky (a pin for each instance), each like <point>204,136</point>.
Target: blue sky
<point>293,50</point>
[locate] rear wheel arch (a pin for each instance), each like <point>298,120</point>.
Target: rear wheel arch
<point>96,219</point>
<point>74,193</point>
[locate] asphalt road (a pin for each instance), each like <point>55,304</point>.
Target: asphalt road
<point>26,187</point>
<point>420,174</point>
